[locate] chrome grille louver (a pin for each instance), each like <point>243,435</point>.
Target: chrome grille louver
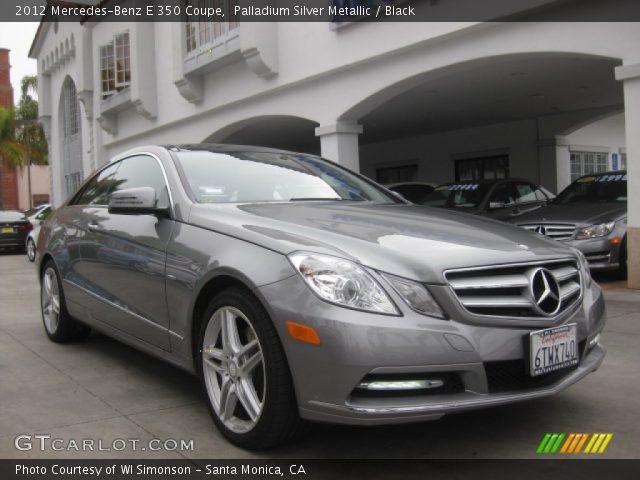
<point>557,231</point>
<point>508,291</point>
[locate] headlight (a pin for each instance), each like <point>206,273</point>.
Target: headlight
<point>416,295</point>
<point>342,282</point>
<point>593,231</point>
<point>584,266</point>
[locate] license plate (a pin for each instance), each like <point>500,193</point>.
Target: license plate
<point>553,349</point>
<point>7,230</point>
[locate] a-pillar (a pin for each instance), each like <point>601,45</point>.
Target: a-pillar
<point>339,142</point>
<point>630,75</point>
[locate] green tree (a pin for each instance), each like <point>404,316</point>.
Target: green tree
<point>22,140</point>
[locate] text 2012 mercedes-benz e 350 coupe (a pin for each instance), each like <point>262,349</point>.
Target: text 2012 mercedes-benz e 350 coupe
<point>298,290</point>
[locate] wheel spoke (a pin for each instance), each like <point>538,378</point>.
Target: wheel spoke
<point>212,352</point>
<point>247,348</point>
<point>228,400</point>
<point>248,399</point>
<point>55,304</point>
<point>47,284</point>
<point>230,338</point>
<point>252,363</point>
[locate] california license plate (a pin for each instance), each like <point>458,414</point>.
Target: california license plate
<point>552,349</point>
<point>7,229</point>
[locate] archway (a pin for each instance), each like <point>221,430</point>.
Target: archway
<point>275,131</point>
<point>70,131</point>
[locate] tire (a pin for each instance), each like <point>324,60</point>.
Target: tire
<point>249,394</point>
<point>31,250</point>
<point>59,326</point>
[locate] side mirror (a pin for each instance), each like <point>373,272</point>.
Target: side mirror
<point>136,201</point>
<point>496,205</point>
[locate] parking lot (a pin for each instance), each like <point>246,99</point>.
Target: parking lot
<point>103,390</point>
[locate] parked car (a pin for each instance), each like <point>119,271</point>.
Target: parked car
<point>590,215</point>
<point>298,290</point>
<point>32,213</point>
<point>14,227</point>
<point>32,237</point>
<point>415,192</point>
<point>498,199</point>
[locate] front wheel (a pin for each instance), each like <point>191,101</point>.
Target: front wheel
<point>58,324</point>
<point>244,373</point>
<point>31,250</point>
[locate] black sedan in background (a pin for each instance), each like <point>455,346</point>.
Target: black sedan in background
<point>590,215</point>
<point>498,199</point>
<point>14,228</point>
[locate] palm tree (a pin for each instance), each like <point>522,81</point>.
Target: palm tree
<point>22,140</point>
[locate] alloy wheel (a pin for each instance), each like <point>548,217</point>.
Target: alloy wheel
<point>50,297</point>
<point>31,250</point>
<point>233,367</point>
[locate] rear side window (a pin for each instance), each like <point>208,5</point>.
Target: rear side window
<point>100,188</point>
<point>140,171</point>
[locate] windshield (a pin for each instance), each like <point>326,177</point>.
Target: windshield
<point>457,195</point>
<point>249,177</point>
<point>595,189</point>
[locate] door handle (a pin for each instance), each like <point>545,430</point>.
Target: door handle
<point>93,227</point>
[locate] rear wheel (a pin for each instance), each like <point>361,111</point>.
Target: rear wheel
<point>31,250</point>
<point>244,373</point>
<point>58,324</point>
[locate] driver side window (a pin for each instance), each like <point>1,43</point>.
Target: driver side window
<point>99,189</point>
<point>502,196</point>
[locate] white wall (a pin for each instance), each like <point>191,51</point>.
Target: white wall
<point>437,152</point>
<point>40,184</point>
<point>608,133</point>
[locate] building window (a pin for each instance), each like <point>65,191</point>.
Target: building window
<point>70,110</point>
<point>405,173</point>
<point>482,168</point>
<point>584,163</point>
<point>201,32</point>
<point>623,161</point>
<point>115,65</point>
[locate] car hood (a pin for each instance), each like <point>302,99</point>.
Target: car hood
<point>406,240</point>
<point>574,213</point>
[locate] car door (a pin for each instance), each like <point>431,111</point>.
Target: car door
<point>129,268</point>
<point>77,252</point>
<point>501,203</point>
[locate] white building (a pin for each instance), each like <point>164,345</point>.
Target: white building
<point>397,101</point>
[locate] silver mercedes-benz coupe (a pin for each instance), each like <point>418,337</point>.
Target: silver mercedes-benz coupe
<point>298,290</point>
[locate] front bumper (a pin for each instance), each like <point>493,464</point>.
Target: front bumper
<point>487,361</point>
<point>601,253</point>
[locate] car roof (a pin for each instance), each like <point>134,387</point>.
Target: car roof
<point>224,148</point>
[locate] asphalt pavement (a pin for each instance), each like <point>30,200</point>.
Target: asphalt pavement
<point>102,391</point>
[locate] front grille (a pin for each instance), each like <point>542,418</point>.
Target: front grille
<point>507,291</point>
<point>513,375</point>
<point>557,231</point>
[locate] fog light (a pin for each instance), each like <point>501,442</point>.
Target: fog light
<point>385,385</point>
<point>594,341</point>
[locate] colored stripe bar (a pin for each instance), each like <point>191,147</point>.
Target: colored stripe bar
<point>605,442</point>
<point>576,439</point>
<point>550,443</point>
<point>581,443</point>
<point>543,443</point>
<point>594,437</point>
<point>555,447</point>
<point>568,442</point>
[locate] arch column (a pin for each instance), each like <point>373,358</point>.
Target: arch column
<point>339,142</point>
<point>630,75</point>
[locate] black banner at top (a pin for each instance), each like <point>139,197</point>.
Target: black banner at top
<point>336,11</point>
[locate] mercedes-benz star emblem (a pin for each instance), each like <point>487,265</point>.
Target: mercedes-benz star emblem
<point>545,292</point>
<point>541,230</point>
